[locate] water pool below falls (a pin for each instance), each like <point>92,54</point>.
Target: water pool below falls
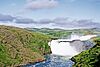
<point>53,61</point>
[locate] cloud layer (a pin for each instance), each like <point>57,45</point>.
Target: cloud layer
<point>41,4</point>
<point>84,23</point>
<point>19,20</point>
<point>24,21</point>
<point>6,17</point>
<point>65,23</point>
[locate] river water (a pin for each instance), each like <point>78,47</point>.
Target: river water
<point>53,61</point>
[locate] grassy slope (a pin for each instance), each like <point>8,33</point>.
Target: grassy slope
<point>19,46</point>
<point>89,58</point>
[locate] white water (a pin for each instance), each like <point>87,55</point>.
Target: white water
<point>63,46</point>
<point>87,37</point>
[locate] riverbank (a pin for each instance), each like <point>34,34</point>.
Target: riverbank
<point>88,58</point>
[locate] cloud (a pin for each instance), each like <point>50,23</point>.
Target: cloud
<point>18,20</point>
<point>6,17</point>
<point>18,25</point>
<point>41,4</point>
<point>85,23</point>
<point>45,21</point>
<point>65,23</point>
<point>88,23</point>
<point>24,21</point>
<point>60,20</point>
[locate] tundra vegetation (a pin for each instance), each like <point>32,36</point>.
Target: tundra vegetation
<point>19,46</point>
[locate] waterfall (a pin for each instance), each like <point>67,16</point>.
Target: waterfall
<point>71,47</point>
<point>63,48</point>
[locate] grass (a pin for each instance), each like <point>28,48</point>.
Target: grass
<point>19,46</point>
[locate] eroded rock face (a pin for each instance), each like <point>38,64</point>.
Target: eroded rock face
<point>81,45</point>
<point>88,58</point>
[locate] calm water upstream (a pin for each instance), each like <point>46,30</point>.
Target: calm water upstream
<point>53,61</point>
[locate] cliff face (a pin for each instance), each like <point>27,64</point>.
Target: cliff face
<point>88,58</point>
<point>19,46</point>
<point>80,46</point>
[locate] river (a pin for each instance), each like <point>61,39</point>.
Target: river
<point>53,61</point>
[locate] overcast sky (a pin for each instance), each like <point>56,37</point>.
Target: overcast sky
<point>50,13</point>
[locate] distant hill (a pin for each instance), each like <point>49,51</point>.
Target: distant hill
<point>62,33</point>
<point>19,46</point>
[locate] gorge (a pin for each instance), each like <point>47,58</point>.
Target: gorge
<point>64,49</point>
<point>22,47</point>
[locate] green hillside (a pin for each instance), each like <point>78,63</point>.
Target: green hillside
<point>62,33</point>
<point>89,58</point>
<point>19,46</point>
<point>54,33</point>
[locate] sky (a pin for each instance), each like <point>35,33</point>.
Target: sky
<point>50,13</point>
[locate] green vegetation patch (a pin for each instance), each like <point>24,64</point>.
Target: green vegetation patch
<point>19,46</point>
<point>88,58</point>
